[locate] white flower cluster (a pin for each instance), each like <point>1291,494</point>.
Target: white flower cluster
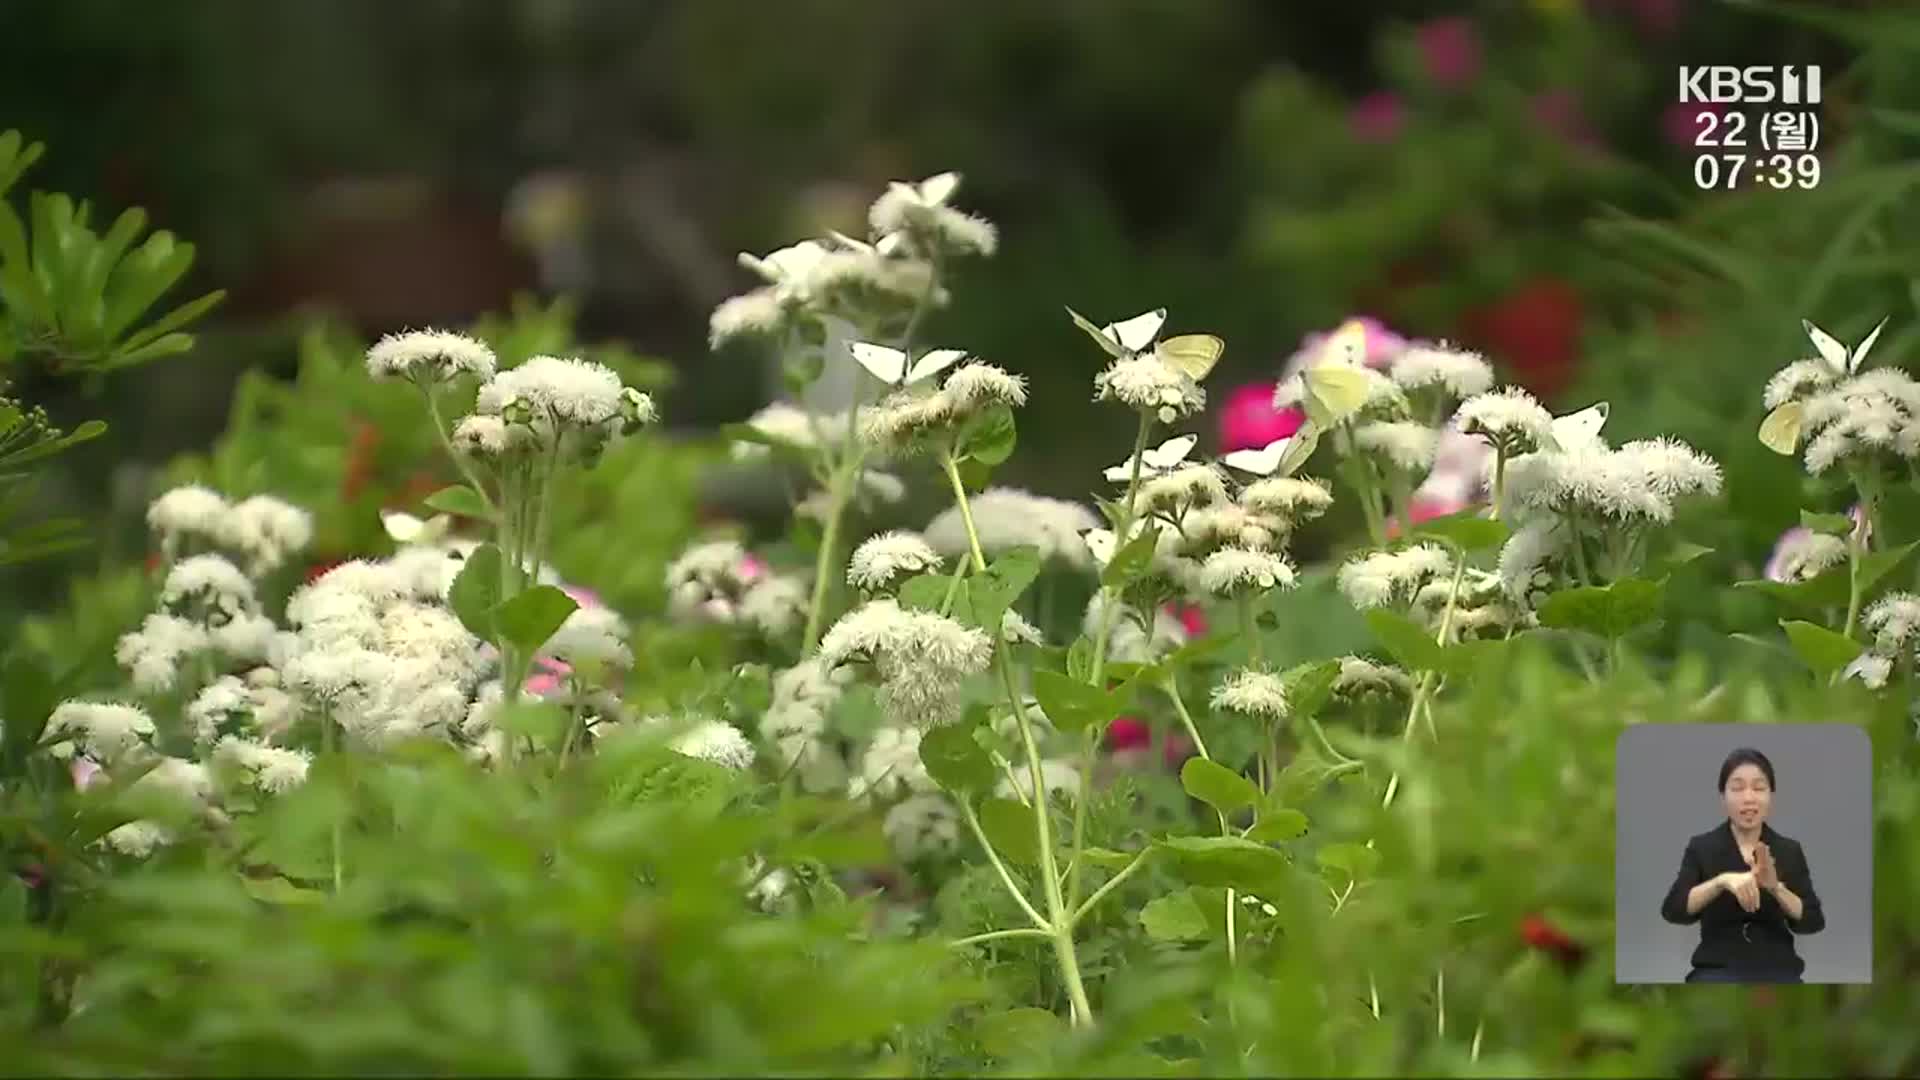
<point>881,560</point>
<point>921,657</point>
<point>796,723</point>
<point>1132,640</point>
<point>431,356</point>
<point>1844,414</point>
<point>1635,484</point>
<point>591,635</point>
<point>1509,418</point>
<point>1482,607</point>
<point>906,419</point>
<point>1143,381</point>
<point>911,225</point>
<point>551,403</point>
<point>1361,678</point>
<point>1426,366</point>
<point>1802,554</point>
<point>1007,518</point>
<point>717,580</point>
<point>1232,570</point>
<point>1383,578</point>
<point>1894,622</point>
<point>922,827</point>
<point>1253,693</point>
<point>264,531</point>
<point>1057,777</point>
<point>891,766</point>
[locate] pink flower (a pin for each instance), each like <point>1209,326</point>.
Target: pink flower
<point>1681,122</point>
<point>1425,508</point>
<point>1378,117</point>
<point>586,598</point>
<point>1559,111</point>
<point>1449,51</point>
<point>1249,419</point>
<point>750,568</point>
<point>1176,750</point>
<point>1128,733</point>
<point>1383,345</point>
<point>1193,617</point>
<point>550,677</point>
<point>86,773</point>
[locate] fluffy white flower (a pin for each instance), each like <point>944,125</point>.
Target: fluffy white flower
<point>1007,518</point>
<point>1131,640</point>
<point>1015,629</point>
<point>762,311</point>
<point>776,606</point>
<point>591,635</point>
<point>891,765</point>
<point>1796,380</point>
<point>1871,669</point>
<point>556,392</point>
<point>268,768</point>
<point>1058,777</point>
<point>921,211</point>
<point>924,826</point>
<point>1802,553</point>
<point>434,354</point>
<point>1255,693</point>
<point>1382,577</point>
<point>1231,569</point>
<point>1673,468</point>
<point>1290,498</point>
<point>1231,525</point>
<point>1360,677</point>
<point>152,654</point>
<point>1509,418</point>
<point>208,581</point>
<point>189,510</point>
<point>103,731</point>
<point>793,426</point>
<point>138,838</point>
<point>1143,382</point>
<point>796,724</point>
<point>177,778</point>
<point>485,436</point>
<point>922,657</point>
<point>1188,486</point>
<point>976,386</point>
<point>1524,557</point>
<point>1403,444</point>
<point>266,530</point>
<point>718,742</point>
<point>1462,374</point>
<point>1892,620</point>
<point>881,559</point>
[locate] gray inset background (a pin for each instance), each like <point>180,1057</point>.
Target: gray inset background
<point>1665,791</point>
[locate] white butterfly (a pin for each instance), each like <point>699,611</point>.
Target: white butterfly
<point>1103,542</point>
<point>890,365</point>
<point>406,529</point>
<point>1126,337</point>
<point>1835,354</point>
<point>1580,427</point>
<point>788,264</point>
<point>1163,458</point>
<point>886,245</point>
<point>933,191</point>
<point>1261,462</point>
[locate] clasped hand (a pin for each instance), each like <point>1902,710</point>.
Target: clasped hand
<point>1746,885</point>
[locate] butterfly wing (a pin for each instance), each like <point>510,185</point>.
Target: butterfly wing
<point>404,528</point>
<point>1191,354</point>
<point>1099,336</point>
<point>1780,431</point>
<point>935,190</point>
<point>1171,453</point>
<point>1123,472</point>
<point>1259,462</point>
<point>1136,333</point>
<point>1579,427</point>
<point>888,365</point>
<point>1334,392</point>
<point>934,362</point>
<point>1300,447</point>
<point>1101,543</point>
<point>1860,351</point>
<point>1346,346</point>
<point>1834,353</point>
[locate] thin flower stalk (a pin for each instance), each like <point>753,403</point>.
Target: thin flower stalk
<point>1428,678</point>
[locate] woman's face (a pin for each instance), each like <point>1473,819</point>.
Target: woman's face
<point>1748,796</point>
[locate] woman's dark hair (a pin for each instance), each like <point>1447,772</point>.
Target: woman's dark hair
<point>1747,755</point>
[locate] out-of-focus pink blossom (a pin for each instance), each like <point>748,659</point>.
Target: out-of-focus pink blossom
<point>1175,751</point>
<point>1249,419</point>
<point>750,568</point>
<point>86,772</point>
<point>1128,733</point>
<point>1383,346</point>
<point>1681,123</point>
<point>1193,617</point>
<point>1423,508</point>
<point>549,678</point>
<point>1377,118</point>
<point>1449,51</point>
<point>1782,563</point>
<point>32,876</point>
<point>1653,18</point>
<point>586,598</point>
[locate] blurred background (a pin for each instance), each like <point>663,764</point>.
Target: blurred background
<point>1511,174</point>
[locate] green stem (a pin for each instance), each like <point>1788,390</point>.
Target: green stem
<point>1856,548</point>
<point>1499,480</point>
<point>996,935</point>
<point>1426,685</point>
<point>1363,480</point>
<point>1006,878</point>
<point>327,746</point>
<point>1171,688</point>
<point>1268,757</point>
<point>446,442</point>
<point>824,562</point>
<point>1112,883</point>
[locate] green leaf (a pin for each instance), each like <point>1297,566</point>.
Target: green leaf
<point>1821,649</point>
<point>1174,917</point>
<point>1406,641</point>
<point>991,592</point>
<point>1834,524</point>
<point>927,592</point>
<point>955,761</point>
<point>1226,861</point>
<point>529,619</point>
<point>1309,687</point>
<point>1019,1033</point>
<point>1080,659</point>
<point>1278,824</point>
<point>1132,560</point>
<point>1106,858</point>
<point>476,591</point>
<point>1466,530</point>
<point>1010,827</point>
<point>1217,786</point>
<point>1353,860</point>
<point>1609,611</point>
<point>460,499</point>
<point>990,437</point>
<point>27,698</point>
<point>1682,553</point>
<point>278,890</point>
<point>1074,706</point>
<point>1876,565</point>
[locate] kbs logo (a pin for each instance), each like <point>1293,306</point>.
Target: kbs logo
<point>1783,83</point>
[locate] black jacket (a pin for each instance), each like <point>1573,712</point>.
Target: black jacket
<point>1730,938</point>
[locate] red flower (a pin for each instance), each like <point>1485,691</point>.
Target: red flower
<point>1449,51</point>
<point>1539,933</point>
<point>1378,117</point>
<point>1535,329</point>
<point>316,570</point>
<point>360,460</point>
<point>1193,617</point>
<point>1128,733</point>
<point>1424,508</point>
<point>1249,419</point>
